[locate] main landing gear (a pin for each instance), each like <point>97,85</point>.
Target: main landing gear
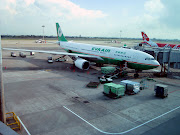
<point>122,68</point>
<point>99,64</point>
<point>136,75</point>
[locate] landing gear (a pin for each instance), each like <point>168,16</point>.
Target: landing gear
<point>136,75</point>
<point>122,68</point>
<point>99,64</point>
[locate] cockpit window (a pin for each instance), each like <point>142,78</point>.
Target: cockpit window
<point>149,58</point>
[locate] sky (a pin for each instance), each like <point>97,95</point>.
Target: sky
<point>93,18</point>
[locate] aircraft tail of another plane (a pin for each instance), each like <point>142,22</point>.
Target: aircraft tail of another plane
<point>147,40</point>
<point>60,33</point>
<point>144,36</point>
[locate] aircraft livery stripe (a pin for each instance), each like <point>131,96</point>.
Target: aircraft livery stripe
<point>142,63</point>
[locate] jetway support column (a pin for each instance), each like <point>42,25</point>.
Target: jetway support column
<point>156,52</point>
<point>169,59</point>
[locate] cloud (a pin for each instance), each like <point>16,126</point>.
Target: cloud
<point>11,10</point>
<point>125,12</point>
<point>150,18</point>
<point>153,6</point>
<point>30,15</point>
<point>29,2</point>
<point>73,11</point>
<point>171,17</point>
<point>64,8</point>
<point>158,18</point>
<point>154,9</point>
<point>163,14</point>
<point>8,5</point>
<point>161,18</point>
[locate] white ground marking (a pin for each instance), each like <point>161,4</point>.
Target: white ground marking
<point>123,131</point>
<point>74,93</point>
<point>24,126</point>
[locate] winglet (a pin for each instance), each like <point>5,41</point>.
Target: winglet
<point>60,33</point>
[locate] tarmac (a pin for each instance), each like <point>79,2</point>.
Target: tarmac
<point>52,99</point>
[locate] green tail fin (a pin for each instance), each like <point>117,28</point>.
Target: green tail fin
<point>60,33</point>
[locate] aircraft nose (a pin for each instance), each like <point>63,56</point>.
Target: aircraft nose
<point>156,63</point>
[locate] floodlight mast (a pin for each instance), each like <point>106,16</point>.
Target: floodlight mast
<point>43,31</point>
<point>2,102</point>
<point>120,33</point>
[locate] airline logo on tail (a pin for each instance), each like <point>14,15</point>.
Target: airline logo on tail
<point>144,36</point>
<point>60,33</point>
<point>147,40</point>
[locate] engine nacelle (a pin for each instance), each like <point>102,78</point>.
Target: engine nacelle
<point>82,64</point>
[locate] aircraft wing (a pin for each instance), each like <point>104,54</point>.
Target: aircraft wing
<point>57,53</point>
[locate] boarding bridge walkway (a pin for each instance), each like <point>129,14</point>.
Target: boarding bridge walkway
<point>163,55</point>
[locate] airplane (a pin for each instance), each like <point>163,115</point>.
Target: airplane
<point>153,44</point>
<point>82,54</point>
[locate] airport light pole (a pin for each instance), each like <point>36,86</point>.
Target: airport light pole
<point>2,103</point>
<point>120,33</point>
<point>43,31</point>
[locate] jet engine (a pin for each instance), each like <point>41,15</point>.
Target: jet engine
<point>82,64</point>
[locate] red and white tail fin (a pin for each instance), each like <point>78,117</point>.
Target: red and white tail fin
<point>144,36</point>
<point>147,40</point>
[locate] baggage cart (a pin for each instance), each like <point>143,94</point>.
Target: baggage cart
<point>161,90</point>
<point>131,87</point>
<point>114,90</point>
<point>107,70</point>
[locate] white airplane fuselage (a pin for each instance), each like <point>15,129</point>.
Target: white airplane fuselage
<point>135,59</point>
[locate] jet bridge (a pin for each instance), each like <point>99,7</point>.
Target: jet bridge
<point>165,56</point>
